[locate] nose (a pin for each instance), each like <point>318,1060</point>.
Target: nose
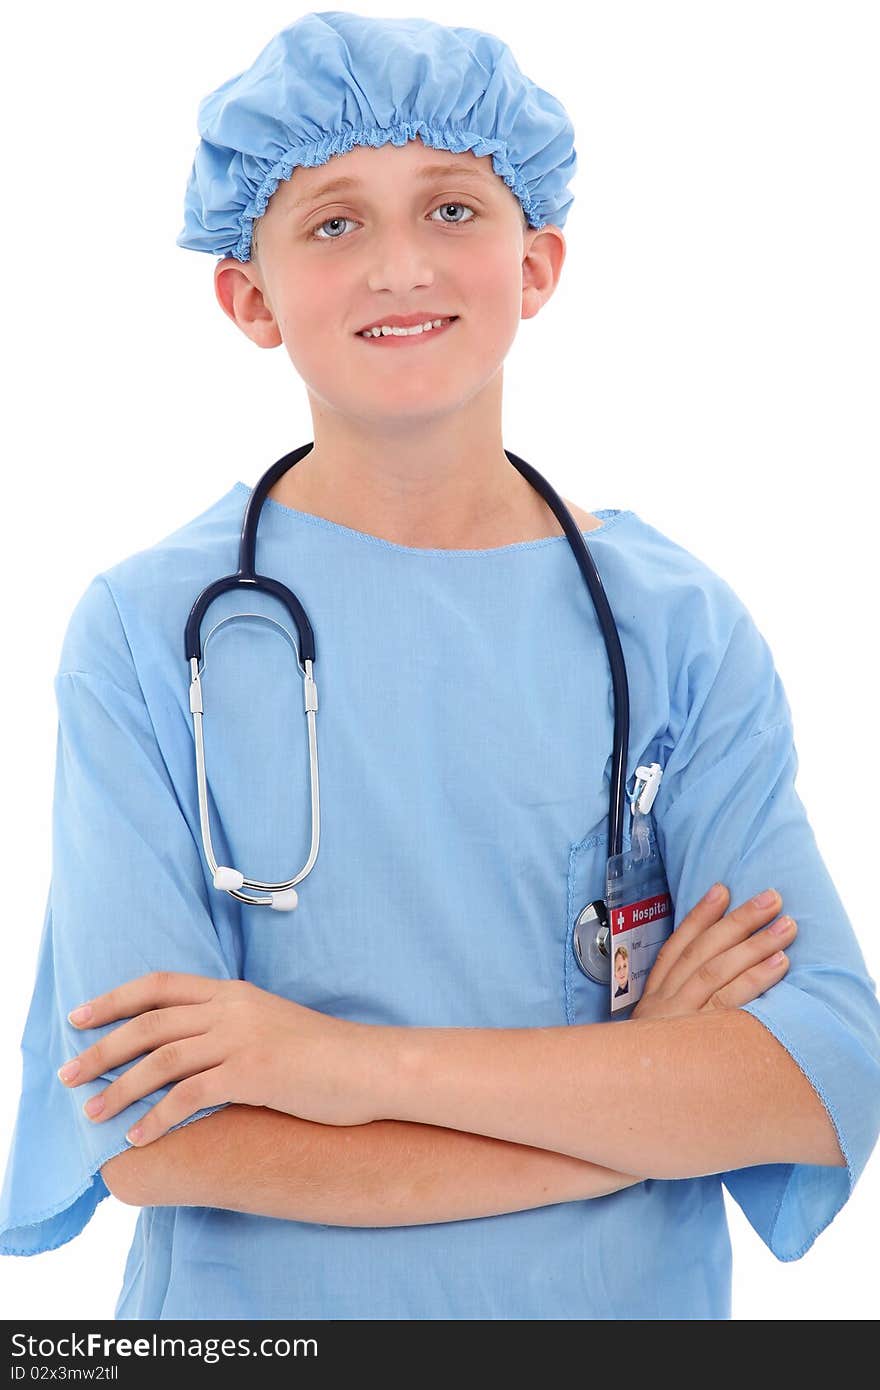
<point>399,262</point>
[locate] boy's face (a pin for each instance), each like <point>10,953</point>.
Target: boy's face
<point>329,263</point>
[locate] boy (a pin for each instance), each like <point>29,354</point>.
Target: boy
<point>495,1169</point>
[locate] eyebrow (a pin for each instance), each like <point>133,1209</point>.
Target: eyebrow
<point>424,175</point>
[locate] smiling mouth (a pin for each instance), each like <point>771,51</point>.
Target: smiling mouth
<point>401,337</point>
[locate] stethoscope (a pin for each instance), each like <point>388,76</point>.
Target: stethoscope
<point>591,928</point>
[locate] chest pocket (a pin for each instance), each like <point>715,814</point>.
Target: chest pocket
<point>586,1001</point>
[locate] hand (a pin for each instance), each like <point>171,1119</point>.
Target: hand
<point>226,1040</point>
<point>715,962</point>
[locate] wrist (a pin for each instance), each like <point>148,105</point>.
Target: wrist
<point>387,1059</point>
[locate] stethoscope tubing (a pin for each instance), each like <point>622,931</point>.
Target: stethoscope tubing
<point>247,578</point>
<point>619,681</point>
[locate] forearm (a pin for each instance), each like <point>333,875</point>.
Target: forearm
<point>676,1097</point>
<point>387,1173</point>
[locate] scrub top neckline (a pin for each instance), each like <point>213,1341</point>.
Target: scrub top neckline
<point>610,516</point>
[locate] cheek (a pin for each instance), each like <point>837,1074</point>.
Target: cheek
<point>494,281</point>
<point>309,331</point>
<point>304,349</point>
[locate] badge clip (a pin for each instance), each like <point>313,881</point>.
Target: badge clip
<point>647,787</point>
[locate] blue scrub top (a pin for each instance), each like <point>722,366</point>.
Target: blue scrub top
<point>465,746</point>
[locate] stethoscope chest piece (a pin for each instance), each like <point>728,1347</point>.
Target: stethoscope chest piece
<point>591,942</point>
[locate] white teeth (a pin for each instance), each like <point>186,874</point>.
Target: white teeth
<point>385,330</point>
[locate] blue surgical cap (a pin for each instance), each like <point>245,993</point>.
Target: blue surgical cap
<point>334,80</point>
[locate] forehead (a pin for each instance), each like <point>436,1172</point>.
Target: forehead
<point>365,165</point>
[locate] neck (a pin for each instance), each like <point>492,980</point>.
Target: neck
<point>445,485</point>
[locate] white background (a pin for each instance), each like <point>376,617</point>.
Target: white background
<point>710,360</point>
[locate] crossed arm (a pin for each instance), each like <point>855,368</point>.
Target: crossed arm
<point>385,1173</point>
<point>495,1120</point>
<point>480,1121</point>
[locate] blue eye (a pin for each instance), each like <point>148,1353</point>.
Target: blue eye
<point>444,206</point>
<point>330,221</point>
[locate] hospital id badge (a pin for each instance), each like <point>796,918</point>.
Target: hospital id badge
<point>638,902</point>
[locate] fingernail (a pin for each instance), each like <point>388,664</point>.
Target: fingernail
<point>766,898</point>
<point>69,1070</point>
<point>94,1106</point>
<point>777,959</point>
<point>80,1015</point>
<point>715,893</point>
<point>135,1134</point>
<point>781,927</point>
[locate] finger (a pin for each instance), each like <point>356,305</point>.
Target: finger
<point>183,1100</point>
<point>173,1062</point>
<point>142,1034</point>
<point>718,936</point>
<point>151,991</point>
<point>751,983</point>
<point>689,929</point>
<point>714,975</point>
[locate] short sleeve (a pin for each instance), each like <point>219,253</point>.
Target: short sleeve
<point>127,896</point>
<point>728,810</point>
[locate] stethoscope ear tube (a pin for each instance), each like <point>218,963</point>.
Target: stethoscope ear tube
<point>282,896</point>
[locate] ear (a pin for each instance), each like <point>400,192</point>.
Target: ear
<point>543,258</point>
<point>239,289</point>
